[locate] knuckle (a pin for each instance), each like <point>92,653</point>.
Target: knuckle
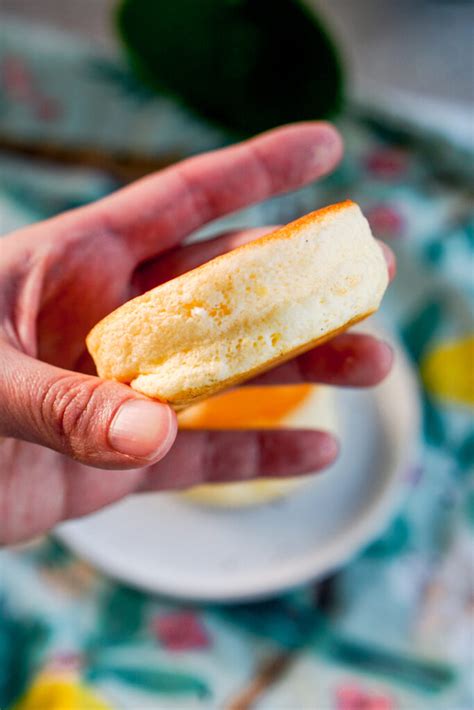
<point>67,407</point>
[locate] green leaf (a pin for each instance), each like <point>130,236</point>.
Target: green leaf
<point>154,680</point>
<point>245,65</point>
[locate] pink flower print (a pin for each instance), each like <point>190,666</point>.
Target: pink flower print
<point>380,702</point>
<point>17,80</point>
<point>47,109</point>
<point>386,221</point>
<point>19,84</point>
<point>181,631</point>
<point>350,696</point>
<point>387,163</point>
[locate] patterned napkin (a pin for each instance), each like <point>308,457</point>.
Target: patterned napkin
<point>393,629</point>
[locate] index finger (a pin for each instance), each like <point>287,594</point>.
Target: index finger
<point>158,211</point>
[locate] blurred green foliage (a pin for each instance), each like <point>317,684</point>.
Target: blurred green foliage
<point>246,65</point>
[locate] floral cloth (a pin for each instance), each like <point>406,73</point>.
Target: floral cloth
<point>393,629</point>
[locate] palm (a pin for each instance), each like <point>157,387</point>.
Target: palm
<point>83,265</point>
<point>78,290</point>
<point>45,486</point>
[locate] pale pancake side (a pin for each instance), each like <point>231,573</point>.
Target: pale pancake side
<point>245,311</point>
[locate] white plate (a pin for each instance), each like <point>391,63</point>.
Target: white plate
<point>164,544</point>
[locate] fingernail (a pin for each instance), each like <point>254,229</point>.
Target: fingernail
<point>142,429</point>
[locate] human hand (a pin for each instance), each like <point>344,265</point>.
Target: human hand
<point>59,277</point>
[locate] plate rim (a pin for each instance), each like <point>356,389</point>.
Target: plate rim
<point>336,553</point>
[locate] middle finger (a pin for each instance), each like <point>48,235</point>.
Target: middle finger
<point>177,261</point>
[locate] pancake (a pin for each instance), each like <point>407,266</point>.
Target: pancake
<point>302,406</point>
<point>245,311</point>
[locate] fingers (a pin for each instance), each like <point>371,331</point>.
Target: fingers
<point>390,259</point>
<point>157,212</point>
<point>39,488</point>
<point>178,261</point>
<point>184,258</point>
<point>224,456</point>
<point>102,424</point>
<point>349,360</point>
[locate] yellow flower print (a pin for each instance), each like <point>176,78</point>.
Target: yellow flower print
<point>59,691</point>
<point>448,371</point>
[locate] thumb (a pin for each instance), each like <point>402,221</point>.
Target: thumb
<point>99,423</point>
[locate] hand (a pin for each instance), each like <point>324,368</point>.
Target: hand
<point>61,276</point>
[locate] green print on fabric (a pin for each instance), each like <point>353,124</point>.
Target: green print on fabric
<point>286,624</point>
<point>294,626</point>
<point>469,232</point>
<point>465,455</point>
<point>393,542</point>
<point>122,614</point>
<point>417,336</point>
<point>421,675</point>
<point>434,428</point>
<point>152,680</point>
<point>122,628</point>
<point>126,82</point>
<point>469,508</point>
<point>22,644</point>
<point>457,236</point>
<point>418,333</point>
<point>434,251</point>
<point>52,554</point>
